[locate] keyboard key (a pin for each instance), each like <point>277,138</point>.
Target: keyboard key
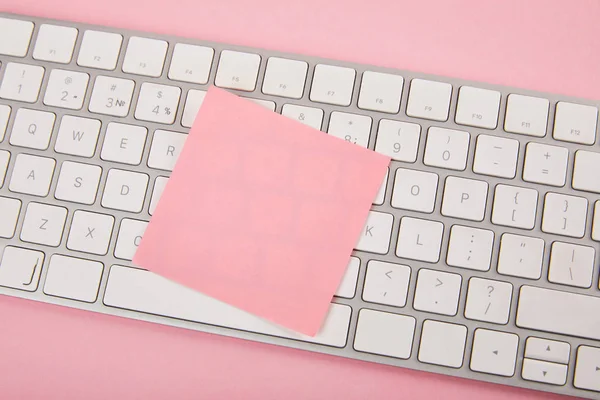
<point>429,100</point>
<point>143,291</point>
<point>55,43</point>
<point>446,148</point>
<point>464,198</point>
<point>558,312</point>
<point>269,105</point>
<point>90,232</point>
<point>124,143</point>
<point>437,292</point>
<point>21,82</point>
<point>398,140</point>
<point>414,190</point>
<point>477,107</point>
<point>99,50</point>
<point>470,248</point>
<point>165,149</point>
<point>419,239</point>
<point>20,268</point>
<point>587,368</point>
<point>237,70</point>
<point>73,278</point>
<point>77,136</point>
<point>145,56</point>
<point>575,123</point>
<point>547,350</point>
<point>332,85</point>
<point>380,197</point>
<point>9,215</point>
<point>32,175</point>
<point>66,89</point>
<point>159,186</point>
<point>191,63</point>
<point>494,352</point>
<point>352,128</point>
<point>384,333</point>
<point>514,206</point>
<point>129,238</point>
<point>32,129</point>
<point>545,372</point>
<point>526,115</point>
<point>4,159</point>
<point>488,300</point>
<point>43,224</point>
<point>310,116</point>
<point>157,103</point>
<point>285,77</point>
<point>442,344</point>
<point>78,182</point>
<point>193,102</point>
<point>4,116</point>
<point>596,224</point>
<point>386,283</point>
<point>545,164</point>
<point>585,175</point>
<point>111,96</point>
<point>571,264</point>
<point>376,234</point>
<point>19,33</point>
<point>125,190</point>
<point>496,156</point>
<point>380,92</point>
<point>564,215</point>
<point>521,256</point>
<point>347,288</point>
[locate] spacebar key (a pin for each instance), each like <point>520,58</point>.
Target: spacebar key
<point>559,312</point>
<point>144,291</point>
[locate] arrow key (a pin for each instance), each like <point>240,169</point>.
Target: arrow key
<point>386,283</point>
<point>547,350</point>
<point>545,372</point>
<point>494,352</point>
<point>587,369</point>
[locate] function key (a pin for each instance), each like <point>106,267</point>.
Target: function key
<point>478,107</point>
<point>99,50</point>
<point>380,92</point>
<point>285,77</point>
<point>332,85</point>
<point>145,56</point>
<point>191,63</point>
<point>526,115</point>
<point>429,100</point>
<point>237,70</point>
<point>55,43</point>
<point>575,123</point>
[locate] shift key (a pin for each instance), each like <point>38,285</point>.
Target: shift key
<point>559,312</point>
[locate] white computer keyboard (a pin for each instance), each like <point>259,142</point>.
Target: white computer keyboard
<point>479,258</point>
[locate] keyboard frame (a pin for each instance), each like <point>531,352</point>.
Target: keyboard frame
<point>356,303</point>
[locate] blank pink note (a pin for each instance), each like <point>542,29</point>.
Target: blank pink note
<point>262,212</point>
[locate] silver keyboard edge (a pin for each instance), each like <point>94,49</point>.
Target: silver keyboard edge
<point>356,303</point>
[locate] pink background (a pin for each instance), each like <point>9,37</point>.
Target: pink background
<point>47,352</point>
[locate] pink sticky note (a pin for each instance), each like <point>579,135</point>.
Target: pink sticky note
<point>262,212</point>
